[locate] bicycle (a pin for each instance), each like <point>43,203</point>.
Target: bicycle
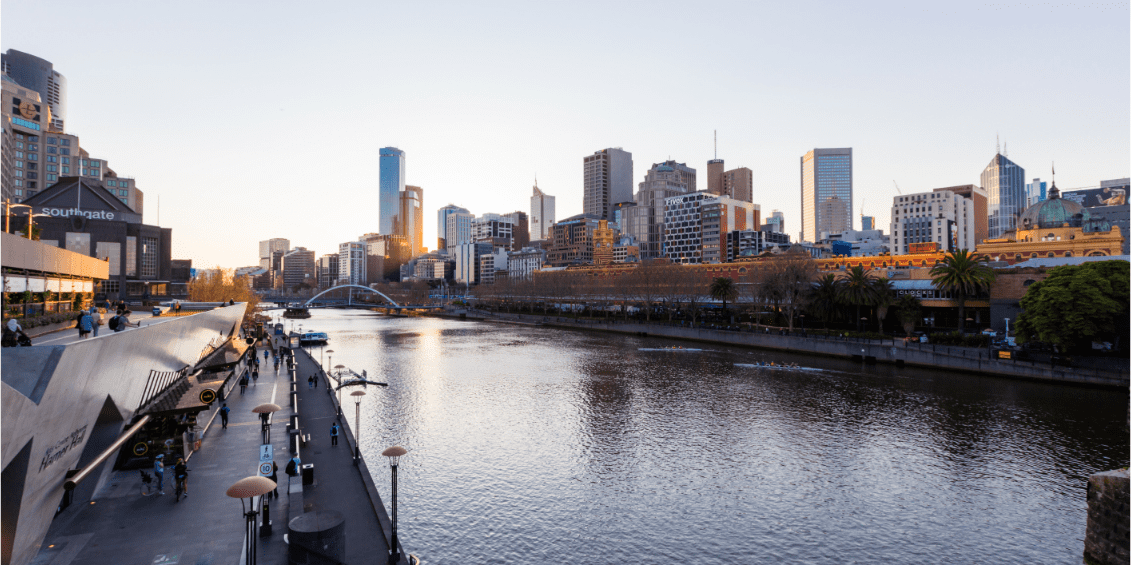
<point>180,489</point>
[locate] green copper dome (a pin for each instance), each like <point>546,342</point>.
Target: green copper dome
<point>1054,213</point>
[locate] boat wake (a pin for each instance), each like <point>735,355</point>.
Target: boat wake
<point>776,367</point>
<point>669,349</point>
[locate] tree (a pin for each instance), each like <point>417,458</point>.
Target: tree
<point>722,288</point>
<point>910,310</point>
<point>824,298</point>
<point>222,287</point>
<point>883,297</point>
<point>858,289</point>
<point>788,279</point>
<point>964,273</point>
<point>1077,305</point>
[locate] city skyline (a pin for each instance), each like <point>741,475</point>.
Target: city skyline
<point>911,115</point>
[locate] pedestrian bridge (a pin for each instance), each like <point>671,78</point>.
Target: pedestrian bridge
<point>335,300</point>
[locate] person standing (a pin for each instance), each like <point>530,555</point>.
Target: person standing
<point>224,410</point>
<point>243,383</point>
<point>159,471</point>
<point>334,434</point>
<point>275,477</point>
<point>310,381</point>
<point>85,324</point>
<point>180,476</point>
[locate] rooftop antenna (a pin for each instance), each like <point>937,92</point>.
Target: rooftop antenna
<point>716,145</point>
<point>999,144</point>
<point>1006,154</point>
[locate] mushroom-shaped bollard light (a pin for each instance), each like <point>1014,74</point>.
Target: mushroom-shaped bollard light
<point>250,488</point>
<point>357,394</point>
<point>265,411</point>
<point>394,454</point>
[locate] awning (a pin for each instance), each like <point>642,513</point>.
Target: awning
<point>224,357</point>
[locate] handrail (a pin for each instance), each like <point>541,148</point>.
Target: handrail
<point>90,467</point>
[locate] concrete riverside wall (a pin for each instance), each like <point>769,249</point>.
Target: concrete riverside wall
<point>925,355</point>
<point>1106,542</point>
<point>52,398</point>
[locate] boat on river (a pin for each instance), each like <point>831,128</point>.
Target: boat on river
<point>313,338</point>
<point>776,366</point>
<point>296,312</point>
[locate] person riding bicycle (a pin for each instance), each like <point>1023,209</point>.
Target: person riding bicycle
<point>180,477</point>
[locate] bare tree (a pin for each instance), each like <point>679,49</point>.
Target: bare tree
<point>789,278</point>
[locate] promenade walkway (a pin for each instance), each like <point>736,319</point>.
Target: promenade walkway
<point>121,526</point>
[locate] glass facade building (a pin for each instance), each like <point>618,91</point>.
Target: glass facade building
<point>1004,183</point>
<point>391,186</point>
<point>826,174</point>
<point>442,225</point>
<point>1035,192</point>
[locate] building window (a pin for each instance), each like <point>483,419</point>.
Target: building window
<point>123,201</point>
<point>123,193</point>
<point>95,164</point>
<point>106,287</point>
<point>52,159</point>
<point>19,154</point>
<point>79,243</point>
<point>66,170</point>
<point>52,140</point>
<point>53,168</point>
<point>112,251</point>
<point>19,173</point>
<point>52,149</point>
<point>131,256</point>
<point>52,177</point>
<point>33,156</point>
<point>19,192</point>
<point>148,257</point>
<point>32,175</point>
<point>65,142</point>
<point>65,151</point>
<point>20,164</point>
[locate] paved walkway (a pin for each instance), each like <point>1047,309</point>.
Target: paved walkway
<point>71,335</point>
<point>122,526</point>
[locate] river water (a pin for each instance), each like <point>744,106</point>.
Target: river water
<point>538,445</point>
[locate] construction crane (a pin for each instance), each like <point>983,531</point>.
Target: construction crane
<point>897,188</point>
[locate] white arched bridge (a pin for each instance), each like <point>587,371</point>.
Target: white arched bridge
<point>320,301</point>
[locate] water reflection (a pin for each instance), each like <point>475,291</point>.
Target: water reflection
<point>546,446</point>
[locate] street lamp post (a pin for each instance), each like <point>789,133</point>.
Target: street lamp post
<point>31,221</point>
<point>250,488</point>
<point>394,454</point>
<point>338,378</point>
<point>357,394</point>
<point>8,212</point>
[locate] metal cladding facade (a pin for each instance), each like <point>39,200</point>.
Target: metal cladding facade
<point>55,398</point>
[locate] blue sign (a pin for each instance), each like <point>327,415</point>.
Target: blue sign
<point>25,123</point>
<point>192,273</point>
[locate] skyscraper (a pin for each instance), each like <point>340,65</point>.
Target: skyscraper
<point>608,180</point>
<point>1035,192</point>
<point>458,230</point>
<point>715,183</point>
<point>541,214</point>
<point>826,174</point>
<point>410,219</point>
<point>1004,183</point>
<point>739,184</point>
<point>442,225</point>
<point>269,247</point>
<point>39,75</point>
<point>645,221</point>
<point>391,186</point>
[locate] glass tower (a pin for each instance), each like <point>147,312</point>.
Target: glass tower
<point>1004,183</point>
<point>826,189</point>
<point>391,186</point>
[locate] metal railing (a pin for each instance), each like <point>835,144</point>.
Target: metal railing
<point>159,382</point>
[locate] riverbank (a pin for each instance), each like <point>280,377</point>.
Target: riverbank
<point>896,352</point>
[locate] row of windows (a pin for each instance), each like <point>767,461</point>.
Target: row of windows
<point>59,141</point>
<point>63,150</point>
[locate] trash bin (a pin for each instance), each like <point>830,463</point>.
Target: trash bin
<point>308,474</point>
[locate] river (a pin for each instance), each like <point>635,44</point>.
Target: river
<point>538,445</point>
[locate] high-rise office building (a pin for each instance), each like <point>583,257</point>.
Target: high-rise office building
<point>739,184</point>
<point>352,263</point>
<point>608,180</point>
<point>391,186</point>
<point>328,270</point>
<point>942,217</point>
<point>695,223</point>
<point>1004,183</point>
<point>1035,192</point>
<point>299,268</point>
<point>458,230</point>
<point>645,221</point>
<point>715,172</point>
<point>775,223</point>
<point>867,222</point>
<point>442,225</point>
<point>541,214</point>
<point>521,229</point>
<point>978,196</point>
<point>269,247</point>
<point>410,218</point>
<point>39,75</point>
<point>826,174</point>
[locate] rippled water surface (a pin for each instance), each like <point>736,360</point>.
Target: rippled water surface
<point>533,445</point>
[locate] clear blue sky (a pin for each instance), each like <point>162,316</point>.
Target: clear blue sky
<point>253,120</point>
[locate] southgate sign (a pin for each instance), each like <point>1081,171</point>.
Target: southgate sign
<point>68,212</point>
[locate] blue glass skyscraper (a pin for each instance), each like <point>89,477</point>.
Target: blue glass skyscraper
<point>1004,183</point>
<point>391,186</point>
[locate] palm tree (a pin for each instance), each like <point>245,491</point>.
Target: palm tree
<point>824,298</point>
<point>857,289</point>
<point>910,311</point>
<point>964,273</point>
<point>884,297</point>
<point>723,289</point>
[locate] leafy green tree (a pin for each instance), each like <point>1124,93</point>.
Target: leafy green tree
<point>965,273</point>
<point>1077,305</point>
<point>883,296</point>
<point>824,298</point>
<point>858,289</point>
<point>910,310</point>
<point>722,288</point>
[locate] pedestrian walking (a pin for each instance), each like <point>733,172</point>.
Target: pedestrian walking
<point>159,470</point>
<point>266,352</point>
<point>243,383</point>
<point>310,381</point>
<point>275,477</point>
<point>96,315</point>
<point>224,410</point>
<point>85,324</point>
<point>180,476</point>
<point>255,375</point>
<point>334,434</point>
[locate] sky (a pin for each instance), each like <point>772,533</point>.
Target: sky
<point>243,121</point>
